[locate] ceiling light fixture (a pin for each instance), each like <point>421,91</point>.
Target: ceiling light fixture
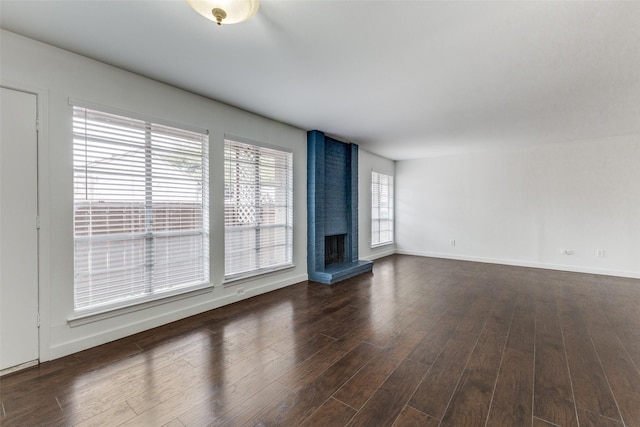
<point>225,11</point>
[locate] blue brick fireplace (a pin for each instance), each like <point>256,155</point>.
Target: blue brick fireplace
<point>332,203</point>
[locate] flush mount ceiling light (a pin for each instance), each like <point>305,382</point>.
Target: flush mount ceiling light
<point>225,11</point>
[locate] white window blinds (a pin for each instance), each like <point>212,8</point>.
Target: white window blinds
<point>258,210</point>
<point>141,210</point>
<point>381,209</point>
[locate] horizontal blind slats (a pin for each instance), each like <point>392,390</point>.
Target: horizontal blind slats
<point>140,208</point>
<point>258,208</point>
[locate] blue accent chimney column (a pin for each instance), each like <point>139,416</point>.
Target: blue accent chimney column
<point>332,203</point>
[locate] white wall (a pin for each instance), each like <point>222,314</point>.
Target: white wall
<point>366,163</point>
<point>56,75</point>
<point>522,207</point>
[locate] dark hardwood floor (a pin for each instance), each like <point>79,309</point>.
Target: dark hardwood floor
<point>420,342</point>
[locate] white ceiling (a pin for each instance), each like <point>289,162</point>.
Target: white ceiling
<point>404,79</point>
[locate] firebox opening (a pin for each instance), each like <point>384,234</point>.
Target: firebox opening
<point>334,250</point>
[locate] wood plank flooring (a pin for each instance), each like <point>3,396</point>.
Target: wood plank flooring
<point>420,342</point>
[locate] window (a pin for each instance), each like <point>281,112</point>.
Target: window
<point>381,209</point>
<point>258,209</point>
<point>141,210</point>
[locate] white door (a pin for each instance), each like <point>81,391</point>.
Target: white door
<point>18,230</point>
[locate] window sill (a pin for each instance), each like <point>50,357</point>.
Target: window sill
<point>84,317</point>
<point>379,245</point>
<point>238,278</point>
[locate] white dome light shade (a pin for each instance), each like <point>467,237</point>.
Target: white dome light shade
<point>225,11</point>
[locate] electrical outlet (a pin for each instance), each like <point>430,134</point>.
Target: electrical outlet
<point>239,291</point>
<point>452,242</point>
<point>599,252</point>
<point>566,251</point>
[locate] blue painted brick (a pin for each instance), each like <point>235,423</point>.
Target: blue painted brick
<point>332,200</point>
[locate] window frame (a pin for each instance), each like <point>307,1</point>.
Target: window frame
<point>390,217</point>
<point>171,290</point>
<point>235,276</point>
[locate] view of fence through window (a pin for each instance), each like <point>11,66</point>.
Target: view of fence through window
<point>258,208</point>
<point>141,208</point>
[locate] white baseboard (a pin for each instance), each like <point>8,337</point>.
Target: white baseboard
<point>18,367</point>
<point>381,254</point>
<point>520,263</point>
<point>74,346</point>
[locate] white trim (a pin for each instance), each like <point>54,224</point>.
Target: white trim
<point>378,245</point>
<point>249,141</point>
<point>18,88</point>
<point>391,174</point>
<point>81,317</point>
<point>44,274</point>
<point>235,278</point>
<point>380,254</point>
<point>74,102</point>
<point>519,263</point>
<point>19,367</point>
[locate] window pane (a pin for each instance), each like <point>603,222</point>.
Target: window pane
<point>258,208</point>
<point>140,208</point>
<point>381,209</point>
